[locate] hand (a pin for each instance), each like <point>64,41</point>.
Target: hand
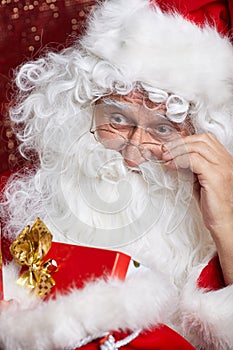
<point>212,166</point>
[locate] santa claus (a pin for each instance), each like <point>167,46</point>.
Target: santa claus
<point>133,130</point>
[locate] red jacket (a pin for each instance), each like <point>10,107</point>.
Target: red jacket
<point>163,337</point>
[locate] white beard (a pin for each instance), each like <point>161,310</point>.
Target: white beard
<point>150,214</point>
<point>93,199</point>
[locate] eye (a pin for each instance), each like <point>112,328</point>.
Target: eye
<point>165,129</point>
<point>119,121</point>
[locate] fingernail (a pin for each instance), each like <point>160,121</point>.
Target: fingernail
<point>164,148</point>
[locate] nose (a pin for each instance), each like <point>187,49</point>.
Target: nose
<point>131,153</point>
<point>137,135</point>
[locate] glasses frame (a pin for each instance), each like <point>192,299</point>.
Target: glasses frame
<point>141,147</point>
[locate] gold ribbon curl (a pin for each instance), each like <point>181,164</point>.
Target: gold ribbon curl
<point>28,250</point>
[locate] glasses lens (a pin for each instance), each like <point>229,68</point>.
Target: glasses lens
<point>117,126</point>
<point>163,130</point>
<point>110,139</point>
<point>152,152</point>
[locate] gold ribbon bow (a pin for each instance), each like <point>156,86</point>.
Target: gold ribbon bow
<point>29,250</point>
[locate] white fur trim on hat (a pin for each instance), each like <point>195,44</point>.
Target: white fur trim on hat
<point>163,50</point>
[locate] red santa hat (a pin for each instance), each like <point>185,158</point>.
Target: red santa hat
<point>216,13</point>
<point>164,50</point>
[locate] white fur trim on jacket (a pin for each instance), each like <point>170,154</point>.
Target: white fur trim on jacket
<point>144,299</point>
<point>207,316</point>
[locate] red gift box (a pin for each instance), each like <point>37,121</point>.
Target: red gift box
<point>76,265</point>
<point>79,264</point>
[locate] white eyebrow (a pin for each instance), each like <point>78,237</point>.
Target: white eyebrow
<point>123,105</point>
<point>114,103</point>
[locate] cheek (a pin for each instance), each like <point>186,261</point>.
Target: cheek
<point>110,140</point>
<point>187,132</point>
<point>104,135</point>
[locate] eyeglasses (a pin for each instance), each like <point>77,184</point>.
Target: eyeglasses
<point>114,129</point>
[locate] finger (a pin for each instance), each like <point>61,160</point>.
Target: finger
<point>206,138</point>
<point>192,161</point>
<point>205,144</point>
<point>209,175</point>
<point>198,147</point>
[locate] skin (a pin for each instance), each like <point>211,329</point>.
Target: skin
<point>144,123</point>
<point>212,167</point>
